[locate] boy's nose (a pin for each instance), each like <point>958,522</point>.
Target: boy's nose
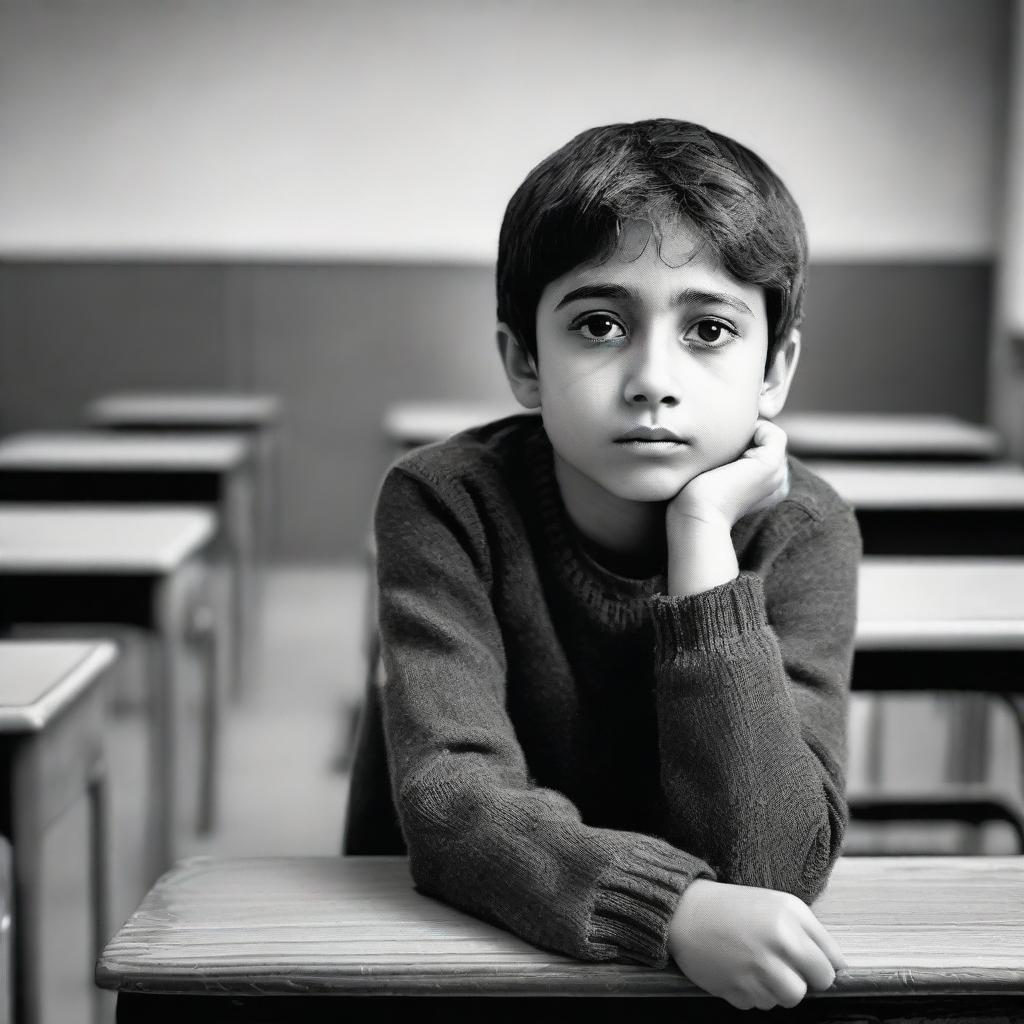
<point>652,380</point>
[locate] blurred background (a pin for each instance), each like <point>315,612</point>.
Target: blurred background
<point>303,199</point>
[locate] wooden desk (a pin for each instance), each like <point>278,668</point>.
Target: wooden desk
<point>230,940</point>
<point>141,567</point>
<point>51,753</point>
<point>204,469</point>
<point>904,436</point>
<point>812,435</point>
<point>914,508</point>
<point>255,415</point>
<point>407,424</point>
<point>952,625</point>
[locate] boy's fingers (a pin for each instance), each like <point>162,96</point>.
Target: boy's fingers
<point>828,945</point>
<point>810,961</point>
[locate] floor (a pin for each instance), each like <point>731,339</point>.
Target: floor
<point>282,791</point>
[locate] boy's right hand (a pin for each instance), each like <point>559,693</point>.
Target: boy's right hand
<point>752,947</point>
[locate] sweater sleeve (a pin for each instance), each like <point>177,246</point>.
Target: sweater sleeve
<point>752,684</point>
<point>480,834</point>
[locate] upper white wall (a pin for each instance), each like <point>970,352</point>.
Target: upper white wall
<point>400,128</point>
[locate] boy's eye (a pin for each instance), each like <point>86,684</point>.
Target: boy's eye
<point>599,327</point>
<point>711,333</point>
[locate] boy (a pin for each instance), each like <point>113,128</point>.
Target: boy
<point>617,636</point>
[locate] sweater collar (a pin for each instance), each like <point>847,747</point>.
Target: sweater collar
<point>617,598</point>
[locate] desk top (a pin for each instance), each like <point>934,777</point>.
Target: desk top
<point>867,435</point>
<point>185,408</point>
<point>412,423</point>
<point>941,603</point>
<point>925,485</point>
<point>102,539</point>
<point>811,434</point>
<point>40,678</point>
<point>102,452</point>
<point>349,925</point>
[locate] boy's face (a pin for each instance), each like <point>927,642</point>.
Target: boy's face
<point>632,345</point>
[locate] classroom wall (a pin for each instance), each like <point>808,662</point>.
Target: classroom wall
<point>339,341</point>
<point>1006,354</point>
<point>305,197</point>
<point>398,129</point>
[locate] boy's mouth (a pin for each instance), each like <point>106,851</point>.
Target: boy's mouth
<point>655,436</point>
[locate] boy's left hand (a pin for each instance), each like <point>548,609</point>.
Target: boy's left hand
<point>756,480</point>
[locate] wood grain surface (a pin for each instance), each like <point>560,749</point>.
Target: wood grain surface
<point>908,926</point>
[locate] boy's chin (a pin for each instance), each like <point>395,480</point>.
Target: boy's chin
<point>649,485</point>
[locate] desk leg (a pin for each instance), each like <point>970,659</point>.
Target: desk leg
<point>99,877</point>
<point>238,531</point>
<point>1016,702</point>
<point>27,858</point>
<point>967,759</point>
<point>209,631</point>
<point>170,603</point>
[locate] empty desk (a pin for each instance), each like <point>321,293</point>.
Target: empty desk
<point>904,436</point>
<point>945,624</point>
<point>407,424</point>
<point>812,435</point>
<point>257,416</point>
<point>915,508</point>
<point>139,567</point>
<point>51,753</point>
<point>291,939</point>
<point>208,469</point>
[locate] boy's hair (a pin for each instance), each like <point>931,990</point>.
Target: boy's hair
<point>573,207</point>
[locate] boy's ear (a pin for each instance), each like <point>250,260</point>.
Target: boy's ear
<point>520,368</point>
<point>778,377</point>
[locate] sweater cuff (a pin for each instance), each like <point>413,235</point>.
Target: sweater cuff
<point>721,613</point>
<point>635,901</point>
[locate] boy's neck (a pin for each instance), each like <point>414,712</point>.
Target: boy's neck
<point>625,536</point>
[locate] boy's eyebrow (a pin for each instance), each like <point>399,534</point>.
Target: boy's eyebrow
<point>623,293</point>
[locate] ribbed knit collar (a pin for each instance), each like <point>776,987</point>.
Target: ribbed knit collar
<point>621,602</point>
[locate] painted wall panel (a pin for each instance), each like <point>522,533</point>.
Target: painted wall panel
<point>340,341</point>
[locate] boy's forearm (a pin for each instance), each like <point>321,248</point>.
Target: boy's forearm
<point>700,556</point>
<point>743,789</point>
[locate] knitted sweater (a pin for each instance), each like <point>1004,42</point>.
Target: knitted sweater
<point>570,748</point>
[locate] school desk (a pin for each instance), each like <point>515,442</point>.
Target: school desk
<point>407,424</point>
<point>950,625</point>
<point>51,754</point>
<point>213,470</point>
<point>903,436</point>
<point>141,567</point>
<point>255,415</point>
<point>925,508</point>
<point>830,435</point>
<point>301,939</point>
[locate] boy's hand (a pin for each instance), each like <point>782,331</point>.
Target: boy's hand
<point>698,519</point>
<point>752,947</point>
<point>721,496</point>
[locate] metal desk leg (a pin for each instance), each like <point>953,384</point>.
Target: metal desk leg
<point>209,632</point>
<point>99,879</point>
<point>27,859</point>
<point>238,502</point>
<point>169,624</point>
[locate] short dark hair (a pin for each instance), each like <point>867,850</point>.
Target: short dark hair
<point>571,208</point>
